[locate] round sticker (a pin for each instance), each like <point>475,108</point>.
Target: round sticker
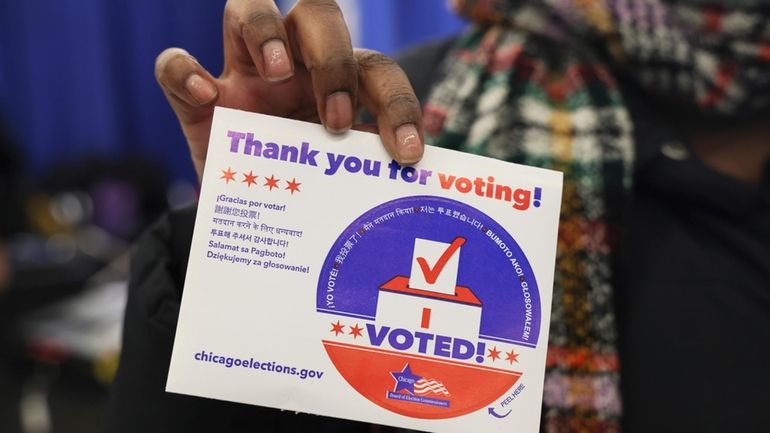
<point>429,304</point>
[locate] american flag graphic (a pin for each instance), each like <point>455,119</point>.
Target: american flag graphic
<point>430,386</point>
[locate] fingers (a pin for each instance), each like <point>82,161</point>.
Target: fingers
<point>259,42</point>
<point>190,89</point>
<point>255,37</point>
<point>366,127</point>
<point>388,95</point>
<point>320,37</point>
<point>192,93</point>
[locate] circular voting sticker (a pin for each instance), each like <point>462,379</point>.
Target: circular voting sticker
<point>429,304</point>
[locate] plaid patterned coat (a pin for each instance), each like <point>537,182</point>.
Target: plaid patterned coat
<point>534,82</point>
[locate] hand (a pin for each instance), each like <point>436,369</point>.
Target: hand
<point>301,67</point>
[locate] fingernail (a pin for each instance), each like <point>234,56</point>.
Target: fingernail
<point>277,65</point>
<point>201,90</point>
<point>408,144</point>
<point>339,112</point>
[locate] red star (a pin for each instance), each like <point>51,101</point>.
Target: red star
<point>494,354</point>
<point>355,331</point>
<point>293,185</point>
<point>228,175</point>
<point>271,182</point>
<point>338,328</point>
<point>250,179</point>
<point>511,357</point>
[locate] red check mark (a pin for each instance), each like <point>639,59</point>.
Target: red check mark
<point>431,275</point>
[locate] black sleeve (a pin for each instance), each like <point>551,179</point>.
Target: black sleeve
<point>138,400</point>
<point>10,205</point>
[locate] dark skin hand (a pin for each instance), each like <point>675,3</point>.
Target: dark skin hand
<point>301,66</point>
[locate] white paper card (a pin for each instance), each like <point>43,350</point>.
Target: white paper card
<point>325,278</point>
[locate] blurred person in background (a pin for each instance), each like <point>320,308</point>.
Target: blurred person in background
<point>670,97</point>
<point>658,113</point>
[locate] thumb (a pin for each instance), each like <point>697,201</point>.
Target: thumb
<point>192,93</point>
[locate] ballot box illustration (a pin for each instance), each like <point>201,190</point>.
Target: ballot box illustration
<point>431,295</point>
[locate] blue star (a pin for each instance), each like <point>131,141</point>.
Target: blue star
<point>405,379</point>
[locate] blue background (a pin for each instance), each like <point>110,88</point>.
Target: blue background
<point>76,76</point>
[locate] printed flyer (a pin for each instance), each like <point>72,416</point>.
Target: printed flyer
<point>328,279</point>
